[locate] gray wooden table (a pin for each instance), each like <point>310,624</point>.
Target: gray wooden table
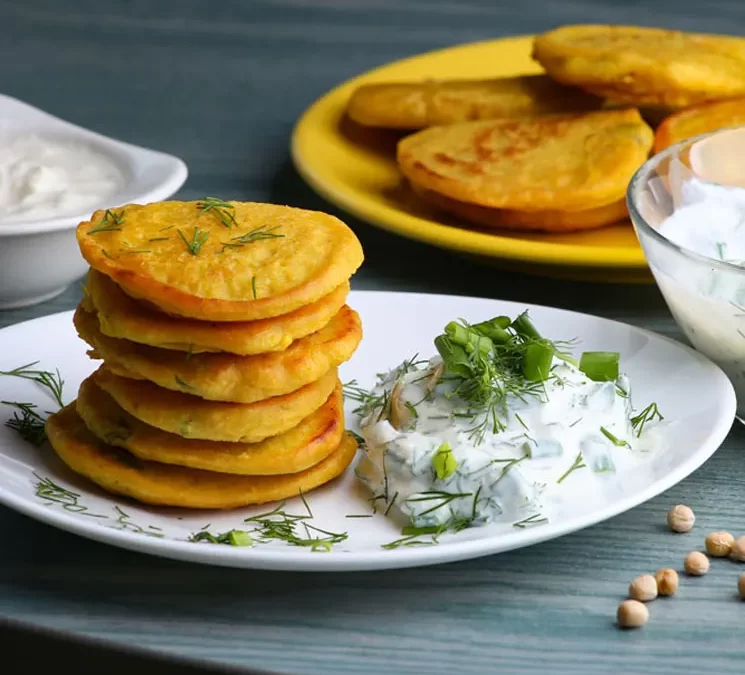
<point>221,84</point>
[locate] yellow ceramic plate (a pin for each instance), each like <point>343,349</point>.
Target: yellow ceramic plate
<point>355,169</point>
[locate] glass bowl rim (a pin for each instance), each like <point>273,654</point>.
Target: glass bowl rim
<point>639,181</point>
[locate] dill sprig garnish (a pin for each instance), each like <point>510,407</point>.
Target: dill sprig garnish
<point>494,360</point>
<point>279,525</point>
<point>109,223</point>
<point>535,519</point>
<point>52,382</point>
<point>180,382</point>
<point>231,538</point>
<point>257,234</point>
<point>222,209</point>
<point>443,498</point>
<point>647,415</point>
<point>253,287</point>
<point>29,424</point>
<point>411,533</point>
<point>124,522</point>
<point>618,442</point>
<point>579,463</point>
<point>47,489</point>
<point>367,400</point>
<point>198,238</point>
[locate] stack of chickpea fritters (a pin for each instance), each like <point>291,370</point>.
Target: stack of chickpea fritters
<point>220,327</point>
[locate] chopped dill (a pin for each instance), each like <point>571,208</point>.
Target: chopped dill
<point>647,415</point>
<point>181,383</point>
<point>443,499</point>
<point>614,439</point>
<point>279,525</point>
<point>257,234</point>
<point>230,538</point>
<point>579,463</point>
<point>253,287</point>
<point>535,519</point>
<point>224,211</point>
<point>52,382</point>
<point>124,522</point>
<point>53,493</point>
<point>109,223</point>
<point>29,424</point>
<point>198,238</point>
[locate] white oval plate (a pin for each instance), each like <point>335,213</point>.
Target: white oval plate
<point>396,326</point>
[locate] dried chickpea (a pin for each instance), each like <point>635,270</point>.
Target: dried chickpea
<point>632,614</point>
<point>643,588</point>
<point>741,585</point>
<point>667,581</point>
<point>719,544</point>
<point>696,564</point>
<point>738,549</point>
<point>680,518</point>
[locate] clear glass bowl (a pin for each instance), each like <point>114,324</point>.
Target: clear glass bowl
<point>706,296</point>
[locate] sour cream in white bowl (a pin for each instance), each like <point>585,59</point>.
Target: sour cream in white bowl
<point>54,174</point>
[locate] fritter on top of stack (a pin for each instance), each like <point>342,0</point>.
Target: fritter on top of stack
<point>220,327</point>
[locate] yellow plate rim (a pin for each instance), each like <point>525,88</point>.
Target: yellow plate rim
<point>421,229</point>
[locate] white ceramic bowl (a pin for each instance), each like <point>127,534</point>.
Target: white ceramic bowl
<point>40,259</point>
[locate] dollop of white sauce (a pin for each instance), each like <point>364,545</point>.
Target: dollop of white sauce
<point>709,219</point>
<point>45,176</point>
<point>708,303</point>
<point>504,476</point>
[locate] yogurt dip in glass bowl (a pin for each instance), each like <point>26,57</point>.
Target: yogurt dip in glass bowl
<point>687,204</point>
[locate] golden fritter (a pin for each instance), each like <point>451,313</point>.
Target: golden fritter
<point>539,221</point>
<point>303,446</point>
<point>192,417</point>
<point>162,484</point>
<point>644,66</point>
<point>699,120</point>
<point>415,105</point>
<point>561,163</point>
<point>221,261</point>
<point>227,377</point>
<point>120,316</point>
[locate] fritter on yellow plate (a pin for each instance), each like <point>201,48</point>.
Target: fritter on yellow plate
<point>221,261</point>
<point>699,120</point>
<point>227,377</point>
<point>152,483</point>
<point>303,446</point>
<point>539,221</point>
<point>644,66</point>
<point>415,105</point>
<point>123,317</point>
<point>192,417</point>
<point>563,163</point>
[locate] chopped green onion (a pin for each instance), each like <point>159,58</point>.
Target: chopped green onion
<point>454,356</point>
<point>471,340</point>
<point>444,462</point>
<point>524,326</point>
<point>240,538</point>
<point>537,361</point>
<point>494,329</point>
<point>600,366</point>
